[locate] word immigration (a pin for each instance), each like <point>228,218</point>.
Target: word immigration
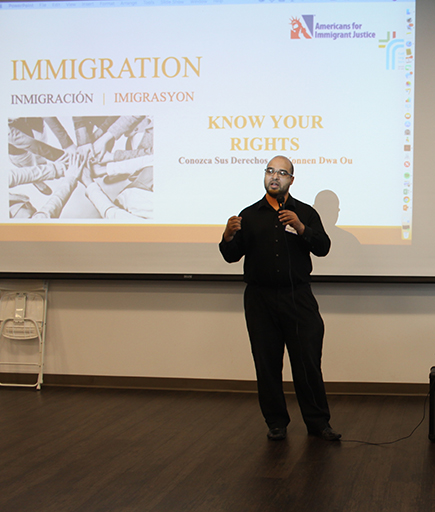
<point>91,69</point>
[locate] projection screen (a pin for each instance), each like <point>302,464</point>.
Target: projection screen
<point>133,130</point>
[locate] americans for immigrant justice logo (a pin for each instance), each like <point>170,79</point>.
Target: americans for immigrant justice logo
<point>302,30</point>
<point>303,27</point>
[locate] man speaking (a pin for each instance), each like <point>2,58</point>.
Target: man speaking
<point>276,236</point>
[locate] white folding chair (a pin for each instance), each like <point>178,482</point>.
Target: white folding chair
<point>23,313</point>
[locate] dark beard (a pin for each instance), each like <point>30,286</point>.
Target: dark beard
<point>275,193</point>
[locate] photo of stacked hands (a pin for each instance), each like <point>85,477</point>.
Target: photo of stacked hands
<point>81,168</point>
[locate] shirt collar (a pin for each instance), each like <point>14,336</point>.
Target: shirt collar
<point>290,202</point>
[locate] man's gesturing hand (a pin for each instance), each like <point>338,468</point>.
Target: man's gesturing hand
<point>234,224</point>
<point>287,217</point>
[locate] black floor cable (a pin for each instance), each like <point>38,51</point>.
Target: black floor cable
<point>396,440</point>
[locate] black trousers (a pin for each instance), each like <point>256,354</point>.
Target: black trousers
<point>287,317</point>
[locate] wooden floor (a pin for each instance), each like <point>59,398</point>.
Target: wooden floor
<point>88,450</point>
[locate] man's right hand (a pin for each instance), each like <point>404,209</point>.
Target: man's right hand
<point>234,224</point>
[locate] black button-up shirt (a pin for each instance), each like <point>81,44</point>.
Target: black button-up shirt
<point>273,256</point>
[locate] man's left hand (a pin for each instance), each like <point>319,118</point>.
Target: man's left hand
<point>287,217</point>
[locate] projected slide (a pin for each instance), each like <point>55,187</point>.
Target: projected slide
<point>155,122</point>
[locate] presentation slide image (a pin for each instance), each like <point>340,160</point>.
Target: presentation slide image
<point>97,167</point>
<point>329,90</point>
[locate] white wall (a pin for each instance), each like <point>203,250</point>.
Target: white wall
<point>374,332</point>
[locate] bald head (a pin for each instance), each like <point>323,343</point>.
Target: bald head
<point>282,162</point>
